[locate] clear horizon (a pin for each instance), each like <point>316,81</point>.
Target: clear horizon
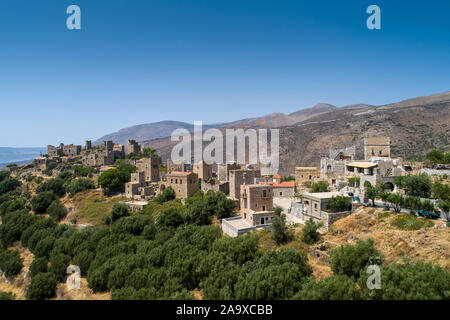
<point>148,61</point>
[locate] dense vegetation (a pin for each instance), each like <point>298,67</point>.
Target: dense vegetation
<point>114,179</point>
<point>438,157</point>
<point>416,187</point>
<point>170,249</point>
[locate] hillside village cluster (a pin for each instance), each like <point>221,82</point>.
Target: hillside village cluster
<point>255,195</point>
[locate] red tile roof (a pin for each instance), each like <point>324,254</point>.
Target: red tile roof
<point>285,184</point>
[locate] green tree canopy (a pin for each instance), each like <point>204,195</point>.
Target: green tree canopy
<point>310,235</point>
<point>167,195</point>
<point>42,286</point>
<point>319,186</point>
<point>42,201</point>
<point>350,259</point>
<point>57,210</point>
<point>280,231</point>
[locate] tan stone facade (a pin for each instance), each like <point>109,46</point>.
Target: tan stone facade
<point>69,150</point>
<point>377,147</point>
<point>185,184</point>
<point>133,147</point>
<point>137,188</point>
<point>203,170</point>
<point>40,163</point>
<point>181,167</point>
<point>223,170</point>
<point>306,174</point>
<point>103,155</point>
<point>151,168</point>
<point>239,177</point>
<point>256,202</point>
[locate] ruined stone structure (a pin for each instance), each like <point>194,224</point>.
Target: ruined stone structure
<point>172,166</point>
<point>216,185</point>
<point>203,170</point>
<point>40,163</point>
<point>239,177</point>
<point>343,154</point>
<point>104,155</point>
<point>185,184</point>
<point>377,147</point>
<point>72,150</point>
<point>133,147</point>
<point>150,166</point>
<point>63,150</point>
<point>256,202</point>
<point>137,188</point>
<point>306,174</point>
<point>223,170</point>
<point>53,151</point>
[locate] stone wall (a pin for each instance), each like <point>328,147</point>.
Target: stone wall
<point>238,177</point>
<point>306,174</point>
<point>330,218</point>
<point>215,185</point>
<point>377,147</point>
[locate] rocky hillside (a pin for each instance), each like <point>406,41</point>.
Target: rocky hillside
<point>156,130</point>
<point>415,126</point>
<point>163,129</point>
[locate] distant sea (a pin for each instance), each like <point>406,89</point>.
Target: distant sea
<point>19,155</point>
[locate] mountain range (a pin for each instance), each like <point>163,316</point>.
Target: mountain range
<point>415,127</point>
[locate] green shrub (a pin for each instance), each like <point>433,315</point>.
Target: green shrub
<point>55,185</point>
<point>338,287</point>
<point>280,231</point>
<point>310,235</point>
<point>418,281</point>
<point>132,225</point>
<point>410,222</point>
<point>350,259</point>
<point>42,201</point>
<point>6,296</point>
<point>58,265</point>
<point>167,195</point>
<point>57,210</point>
<point>42,286</point>
<point>10,262</point>
<point>80,185</point>
<point>44,246</point>
<point>320,186</point>
<point>8,185</point>
<point>383,215</point>
<point>118,211</point>
<point>38,265</point>
<point>83,260</point>
<point>170,218</point>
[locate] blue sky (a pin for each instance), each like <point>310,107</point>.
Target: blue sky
<point>136,62</point>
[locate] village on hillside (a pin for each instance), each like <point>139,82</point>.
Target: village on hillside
<point>304,194</point>
<point>396,209</point>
